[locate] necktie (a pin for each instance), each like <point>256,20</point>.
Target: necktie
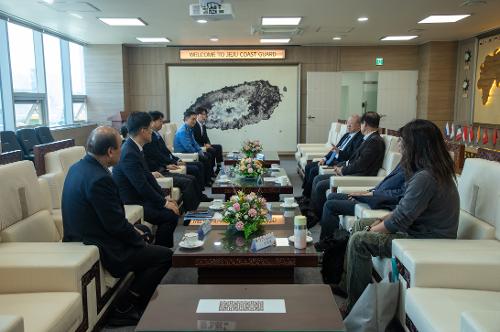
<point>334,153</point>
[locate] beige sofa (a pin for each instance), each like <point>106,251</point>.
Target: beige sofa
<point>456,283</point>
<point>53,286</point>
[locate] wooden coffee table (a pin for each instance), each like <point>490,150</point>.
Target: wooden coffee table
<point>226,258</point>
<point>270,157</point>
<point>306,308</point>
<point>271,191</point>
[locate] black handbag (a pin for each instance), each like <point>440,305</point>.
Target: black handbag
<point>333,247</point>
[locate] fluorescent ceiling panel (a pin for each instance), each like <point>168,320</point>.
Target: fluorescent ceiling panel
<point>115,21</point>
<point>153,39</point>
<point>281,20</point>
<point>274,40</point>
<point>444,18</point>
<point>396,38</point>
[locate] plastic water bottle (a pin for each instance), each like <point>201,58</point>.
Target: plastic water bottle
<point>300,232</point>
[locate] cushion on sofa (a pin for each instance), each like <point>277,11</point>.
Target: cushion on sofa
<point>45,312</point>
<point>439,310</point>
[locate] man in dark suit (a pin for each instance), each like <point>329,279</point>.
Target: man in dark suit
<point>201,136</point>
<point>93,213</point>
<point>160,159</point>
<point>349,142</point>
<point>386,194</point>
<point>366,161</point>
<point>138,186</point>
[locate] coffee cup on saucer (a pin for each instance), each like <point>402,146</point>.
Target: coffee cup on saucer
<point>288,201</point>
<point>191,238</point>
<point>283,180</point>
<point>223,177</point>
<point>275,166</point>
<point>217,203</point>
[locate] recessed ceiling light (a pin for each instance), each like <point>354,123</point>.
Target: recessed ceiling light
<point>76,15</point>
<point>153,39</point>
<point>122,21</point>
<point>395,38</point>
<point>444,18</point>
<point>202,21</point>
<point>274,40</point>
<point>337,38</point>
<point>281,20</point>
<point>214,39</point>
<point>362,19</point>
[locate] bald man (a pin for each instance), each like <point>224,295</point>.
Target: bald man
<point>93,213</point>
<point>338,153</point>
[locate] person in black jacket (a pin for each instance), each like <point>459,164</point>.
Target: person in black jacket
<point>93,213</point>
<point>347,144</point>
<point>161,160</point>
<point>366,161</point>
<point>137,184</point>
<point>201,136</point>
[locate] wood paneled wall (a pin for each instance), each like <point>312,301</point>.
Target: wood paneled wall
<point>436,81</point>
<point>104,74</point>
<point>145,82</point>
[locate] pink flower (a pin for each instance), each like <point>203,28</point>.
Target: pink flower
<point>236,207</point>
<point>239,226</point>
<point>239,241</point>
<point>252,213</point>
<point>250,170</point>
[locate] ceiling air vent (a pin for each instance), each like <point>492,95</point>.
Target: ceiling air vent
<point>263,31</point>
<point>71,6</point>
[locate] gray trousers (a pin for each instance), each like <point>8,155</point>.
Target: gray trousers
<point>362,246</point>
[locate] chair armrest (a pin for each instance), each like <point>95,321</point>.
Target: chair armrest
<point>27,267</point>
<point>325,170</point>
<point>180,170</point>
<point>134,213</point>
<point>474,264</point>
<point>187,156</point>
<point>479,320</point>
<point>362,210</point>
<point>165,183</point>
<point>313,155</point>
<point>348,190</point>
<point>315,149</point>
<point>355,181</point>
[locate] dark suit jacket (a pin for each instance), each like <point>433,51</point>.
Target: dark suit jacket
<point>202,139</point>
<point>134,180</point>
<point>348,151</point>
<point>393,185</point>
<point>157,154</point>
<point>93,214</point>
<point>367,159</point>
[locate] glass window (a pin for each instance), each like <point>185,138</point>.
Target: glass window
<point>79,111</point>
<point>1,110</point>
<point>53,79</point>
<point>77,69</point>
<point>28,113</point>
<point>22,58</point>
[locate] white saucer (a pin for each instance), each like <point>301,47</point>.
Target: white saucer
<point>293,205</point>
<point>223,180</point>
<point>291,238</point>
<point>216,208</point>
<point>197,244</point>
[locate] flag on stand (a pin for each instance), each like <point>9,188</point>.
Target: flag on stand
<point>495,137</point>
<point>458,136</point>
<point>471,134</point>
<point>485,136</point>
<point>452,133</point>
<point>478,135</point>
<point>447,130</point>
<point>465,133</point>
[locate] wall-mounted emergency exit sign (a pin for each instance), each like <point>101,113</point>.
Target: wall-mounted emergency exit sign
<point>379,61</point>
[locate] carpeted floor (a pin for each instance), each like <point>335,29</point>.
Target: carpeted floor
<point>189,276</point>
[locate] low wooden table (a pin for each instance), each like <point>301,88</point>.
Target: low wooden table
<point>270,157</point>
<point>308,308</point>
<point>269,190</point>
<point>227,259</point>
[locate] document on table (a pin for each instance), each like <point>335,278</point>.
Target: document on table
<point>241,306</point>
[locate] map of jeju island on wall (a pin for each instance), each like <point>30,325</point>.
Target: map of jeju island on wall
<point>487,87</point>
<point>243,102</point>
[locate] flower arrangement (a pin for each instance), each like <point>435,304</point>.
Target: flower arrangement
<point>245,213</point>
<point>249,167</point>
<point>251,148</point>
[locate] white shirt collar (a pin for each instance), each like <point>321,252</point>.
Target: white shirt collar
<point>138,145</point>
<point>368,135</point>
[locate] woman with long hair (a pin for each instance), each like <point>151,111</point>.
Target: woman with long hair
<point>429,208</point>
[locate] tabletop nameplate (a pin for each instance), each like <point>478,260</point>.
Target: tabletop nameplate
<point>263,241</point>
<point>241,306</point>
<point>205,227</point>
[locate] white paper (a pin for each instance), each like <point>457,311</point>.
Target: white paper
<point>269,179</point>
<point>241,306</point>
<point>282,242</point>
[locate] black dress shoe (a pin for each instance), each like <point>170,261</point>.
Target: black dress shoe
<point>205,198</point>
<point>312,219</point>
<point>129,317</point>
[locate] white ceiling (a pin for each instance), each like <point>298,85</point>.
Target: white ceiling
<point>322,19</point>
